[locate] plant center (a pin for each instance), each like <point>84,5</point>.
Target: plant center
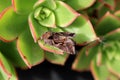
<point>42,13</point>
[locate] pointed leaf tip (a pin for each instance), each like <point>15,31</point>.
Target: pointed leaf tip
<point>21,54</point>
<point>108,21</point>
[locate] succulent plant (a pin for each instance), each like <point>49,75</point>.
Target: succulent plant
<point>101,56</point>
<point>34,30</point>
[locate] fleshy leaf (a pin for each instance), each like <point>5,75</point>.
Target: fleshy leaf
<point>45,17</point>
<point>56,58</point>
<point>82,61</point>
<point>109,3</point>
<point>113,35</point>
<point>4,4</point>
<point>57,29</point>
<point>49,48</point>
<point>80,4</point>
<point>114,67</point>
<point>117,13</point>
<point>117,45</point>
<point>83,30</point>
<point>107,23</point>
<point>36,29</point>
<point>11,53</point>
<point>30,52</point>
<point>109,50</point>
<point>7,71</point>
<point>69,14</point>
<point>101,72</point>
<point>117,6</point>
<point>11,24</point>
<point>22,6</point>
<point>1,77</point>
<point>46,3</point>
<point>102,11</point>
<point>49,21</point>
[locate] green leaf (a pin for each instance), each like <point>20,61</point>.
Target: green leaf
<point>117,13</point>
<point>30,52</point>
<point>114,67</point>
<point>82,61</point>
<point>62,17</point>
<point>113,35</point>
<point>45,17</point>
<point>36,29</point>
<point>46,3</point>
<point>56,58</point>
<point>11,53</point>
<point>22,6</point>
<point>109,3</point>
<point>49,21</point>
<point>83,30</point>
<point>80,4</point>
<point>4,4</point>
<point>1,77</point>
<point>11,24</point>
<point>57,29</point>
<point>102,71</point>
<point>117,55</point>
<point>107,23</point>
<point>103,10</point>
<point>7,71</point>
<point>110,50</point>
<point>117,7</point>
<point>99,72</point>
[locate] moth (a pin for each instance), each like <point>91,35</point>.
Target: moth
<point>61,40</point>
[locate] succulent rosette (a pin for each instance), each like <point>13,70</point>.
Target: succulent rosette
<point>107,56</point>
<point>101,56</point>
<point>57,16</point>
<point>22,25</point>
<point>32,31</point>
